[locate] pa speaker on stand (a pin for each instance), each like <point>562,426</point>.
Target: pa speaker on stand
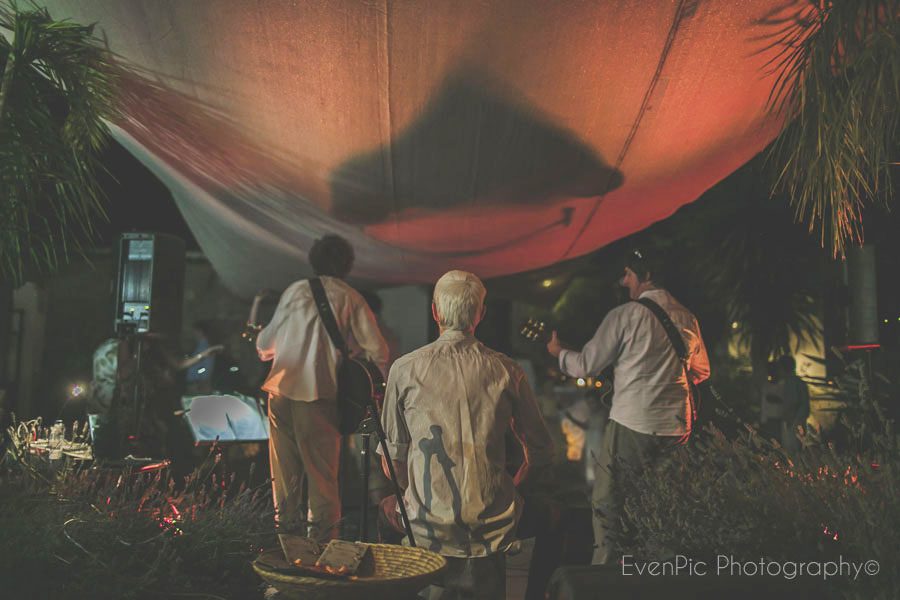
<point>148,298</point>
<point>149,288</point>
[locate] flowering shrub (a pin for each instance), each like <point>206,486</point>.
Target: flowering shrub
<point>112,534</point>
<point>745,496</point>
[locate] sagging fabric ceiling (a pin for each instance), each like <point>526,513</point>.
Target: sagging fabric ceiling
<point>493,136</point>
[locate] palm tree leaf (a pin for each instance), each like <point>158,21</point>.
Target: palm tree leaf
<point>839,81</point>
<point>52,126</point>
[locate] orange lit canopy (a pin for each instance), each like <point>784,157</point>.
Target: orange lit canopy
<point>493,136</point>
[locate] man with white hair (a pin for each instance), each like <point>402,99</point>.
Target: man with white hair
<point>446,411</point>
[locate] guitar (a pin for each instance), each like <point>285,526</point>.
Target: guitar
<point>536,330</point>
<point>252,329</point>
<point>360,382</point>
<point>360,385</point>
<point>708,402</point>
<point>712,408</point>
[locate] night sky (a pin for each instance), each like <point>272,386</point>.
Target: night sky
<point>137,200</point>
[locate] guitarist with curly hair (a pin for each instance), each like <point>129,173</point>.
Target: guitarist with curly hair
<point>302,385</point>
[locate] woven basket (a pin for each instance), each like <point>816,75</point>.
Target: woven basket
<point>399,572</point>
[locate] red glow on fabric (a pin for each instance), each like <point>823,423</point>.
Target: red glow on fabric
<point>411,129</point>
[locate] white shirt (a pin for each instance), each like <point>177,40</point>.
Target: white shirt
<point>447,408</point>
<point>305,362</point>
<point>651,394</point>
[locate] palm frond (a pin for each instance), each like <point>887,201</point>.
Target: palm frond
<point>59,91</point>
<point>762,268</point>
<point>838,84</point>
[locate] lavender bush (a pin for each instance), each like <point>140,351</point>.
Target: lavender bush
<point>747,497</point>
<point>92,533</point>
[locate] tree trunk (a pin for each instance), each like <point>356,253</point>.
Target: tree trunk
<point>759,360</point>
<point>5,289</point>
<point>7,397</point>
<point>7,79</point>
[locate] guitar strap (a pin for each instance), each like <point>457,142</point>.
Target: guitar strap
<point>331,326</point>
<point>327,316</point>
<point>677,345</point>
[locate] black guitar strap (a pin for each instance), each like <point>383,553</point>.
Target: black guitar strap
<point>327,315</point>
<point>677,345</point>
<point>669,326</point>
<point>331,326</point>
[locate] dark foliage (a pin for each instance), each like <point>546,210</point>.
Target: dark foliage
<point>57,89</point>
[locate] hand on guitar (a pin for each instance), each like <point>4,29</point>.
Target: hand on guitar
<point>535,330</point>
<point>553,346</point>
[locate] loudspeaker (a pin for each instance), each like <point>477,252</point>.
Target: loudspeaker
<point>149,290</point>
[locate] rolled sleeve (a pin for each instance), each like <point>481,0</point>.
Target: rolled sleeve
<point>564,363</point>
<point>399,452</point>
<point>266,338</point>
<point>396,433</point>
<point>365,331</point>
<point>529,426</point>
<point>265,343</point>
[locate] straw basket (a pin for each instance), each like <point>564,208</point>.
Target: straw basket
<point>399,572</point>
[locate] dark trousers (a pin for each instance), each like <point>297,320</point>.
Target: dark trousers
<point>624,452</point>
<point>541,520</point>
<point>485,577</point>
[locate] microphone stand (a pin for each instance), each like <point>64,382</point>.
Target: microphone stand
<point>369,425</point>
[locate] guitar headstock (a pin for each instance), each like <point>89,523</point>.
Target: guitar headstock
<point>535,330</point>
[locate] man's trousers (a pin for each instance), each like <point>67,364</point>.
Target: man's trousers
<point>624,453</point>
<point>304,439</point>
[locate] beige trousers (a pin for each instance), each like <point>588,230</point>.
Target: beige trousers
<point>304,439</point>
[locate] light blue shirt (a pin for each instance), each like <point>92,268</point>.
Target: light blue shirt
<point>650,392</point>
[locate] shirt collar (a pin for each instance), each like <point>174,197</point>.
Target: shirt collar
<point>453,335</point>
<point>657,291</point>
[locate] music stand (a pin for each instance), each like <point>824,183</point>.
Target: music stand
<point>225,418</point>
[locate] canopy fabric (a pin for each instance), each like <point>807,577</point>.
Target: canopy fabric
<point>492,136</point>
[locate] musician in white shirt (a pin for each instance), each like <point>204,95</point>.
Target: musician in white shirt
<point>651,406</point>
<point>447,409</point>
<point>302,386</point>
